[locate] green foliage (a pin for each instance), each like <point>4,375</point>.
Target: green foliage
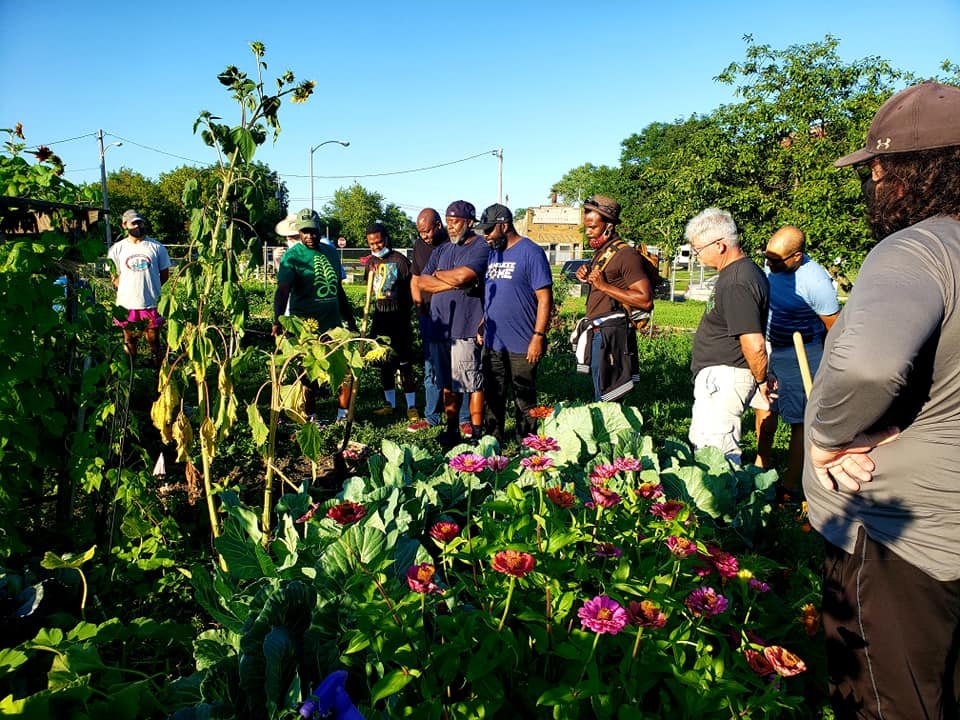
<point>355,207</point>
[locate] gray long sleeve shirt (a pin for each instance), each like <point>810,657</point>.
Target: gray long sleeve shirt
<point>893,359</point>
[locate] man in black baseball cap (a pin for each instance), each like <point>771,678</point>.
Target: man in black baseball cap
<point>883,426</point>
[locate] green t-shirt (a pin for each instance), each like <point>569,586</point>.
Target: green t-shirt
<point>314,279</point>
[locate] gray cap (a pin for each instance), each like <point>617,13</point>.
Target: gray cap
<point>132,216</point>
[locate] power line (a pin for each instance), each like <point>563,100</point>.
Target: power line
<point>157,150</point>
<point>394,172</point>
<point>57,142</point>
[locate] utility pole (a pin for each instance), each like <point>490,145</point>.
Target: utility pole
<point>103,183</point>
<point>499,154</point>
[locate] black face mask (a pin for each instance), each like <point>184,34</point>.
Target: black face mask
<point>868,188</point>
<point>136,231</point>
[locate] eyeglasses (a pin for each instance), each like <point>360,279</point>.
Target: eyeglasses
<point>864,171</point>
<point>696,251</point>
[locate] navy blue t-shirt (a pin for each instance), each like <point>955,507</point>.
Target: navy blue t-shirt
<point>513,277</point>
<point>456,313</point>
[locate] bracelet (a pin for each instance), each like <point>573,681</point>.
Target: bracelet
<point>537,332</point>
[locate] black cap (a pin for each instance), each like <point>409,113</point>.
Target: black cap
<point>494,214</point>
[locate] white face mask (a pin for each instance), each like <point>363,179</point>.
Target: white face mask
<point>382,253</point>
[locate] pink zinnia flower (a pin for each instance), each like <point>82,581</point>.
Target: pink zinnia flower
<point>498,462</point>
<point>603,615</point>
<point>444,531</point>
<point>627,464</point>
<point>604,497</point>
<point>758,585</point>
<point>649,490</point>
<point>540,443</point>
<point>681,546</point>
<point>758,663</point>
<point>706,601</point>
<point>725,563</point>
<point>561,498</point>
<point>468,463</point>
<point>607,550</point>
<point>513,562</point>
<point>784,662</point>
<point>601,472</point>
<point>346,512</point>
<point>420,579</point>
<point>646,614</point>
<point>308,514</point>
<point>667,510</point>
<point>537,463</point>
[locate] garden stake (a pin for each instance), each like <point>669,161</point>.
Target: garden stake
<point>804,364</point>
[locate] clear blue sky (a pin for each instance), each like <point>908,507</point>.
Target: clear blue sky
<point>415,84</point>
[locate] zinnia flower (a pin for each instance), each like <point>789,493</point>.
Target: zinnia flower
<point>810,619</point>
<point>602,472</point>
<point>308,514</point>
<point>758,585</point>
<point>646,614</point>
<point>649,490</point>
<point>540,412</point>
<point>420,579</point>
<point>497,462</point>
<point>346,512</point>
<point>758,663</point>
<point>540,443</point>
<point>513,562</point>
<point>627,464</point>
<point>607,550</point>
<point>706,601</point>
<point>604,497</point>
<point>468,463</point>
<point>561,498</point>
<point>444,531</point>
<point>603,615</point>
<point>725,563</point>
<point>667,510</point>
<point>784,662</point>
<point>681,546</point>
<point>537,463</point>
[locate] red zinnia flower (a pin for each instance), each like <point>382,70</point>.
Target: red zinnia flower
<point>725,563</point>
<point>646,614</point>
<point>420,579</point>
<point>561,498</point>
<point>604,497</point>
<point>784,662</point>
<point>444,531</point>
<point>602,472</point>
<point>667,510</point>
<point>649,490</point>
<point>541,412</point>
<point>513,562</point>
<point>346,512</point>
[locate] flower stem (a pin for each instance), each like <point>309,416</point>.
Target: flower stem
<point>506,607</point>
<point>593,649</point>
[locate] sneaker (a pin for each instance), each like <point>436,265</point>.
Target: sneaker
<point>385,410</point>
<point>466,429</point>
<point>417,426</point>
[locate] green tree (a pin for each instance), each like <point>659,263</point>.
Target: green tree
<point>131,190</point>
<point>583,181</point>
<point>354,208</point>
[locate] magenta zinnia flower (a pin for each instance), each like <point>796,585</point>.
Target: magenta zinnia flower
<point>758,585</point>
<point>681,546</point>
<point>468,463</point>
<point>604,497</point>
<point>649,490</point>
<point>725,563</point>
<point>444,531</point>
<point>561,498</point>
<point>607,550</point>
<point>540,443</point>
<point>497,462</point>
<point>346,512</point>
<point>513,562</point>
<point>603,615</point>
<point>420,579</point>
<point>627,464</point>
<point>706,601</point>
<point>537,463</point>
<point>602,472</point>
<point>646,614</point>
<point>667,510</point>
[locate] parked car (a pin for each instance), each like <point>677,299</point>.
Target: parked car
<point>570,267</point>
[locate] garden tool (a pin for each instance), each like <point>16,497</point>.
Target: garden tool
<point>804,365</point>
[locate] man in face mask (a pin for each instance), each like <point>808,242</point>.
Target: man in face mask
<point>142,267</point>
<point>618,285</point>
<point>390,293</point>
<point>518,298</point>
<point>454,274</point>
<point>883,427</point>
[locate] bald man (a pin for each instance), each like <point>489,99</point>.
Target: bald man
<point>802,299</point>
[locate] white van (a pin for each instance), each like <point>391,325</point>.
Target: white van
<point>683,257</point>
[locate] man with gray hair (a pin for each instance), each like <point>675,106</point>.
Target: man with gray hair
<point>729,351</point>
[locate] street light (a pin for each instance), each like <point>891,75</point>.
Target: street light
<point>345,143</point>
<point>103,182</point>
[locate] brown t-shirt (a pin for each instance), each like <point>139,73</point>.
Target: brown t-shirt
<point>623,270</point>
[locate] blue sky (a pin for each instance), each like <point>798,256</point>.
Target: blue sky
<point>412,85</point>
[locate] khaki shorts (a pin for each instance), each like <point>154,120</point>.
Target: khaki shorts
<point>720,395</point>
<point>466,372</point>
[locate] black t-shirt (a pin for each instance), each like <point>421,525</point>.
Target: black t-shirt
<point>737,307</point>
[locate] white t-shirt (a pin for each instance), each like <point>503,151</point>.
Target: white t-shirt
<point>139,265</point>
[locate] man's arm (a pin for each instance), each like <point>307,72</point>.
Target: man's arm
<point>538,343</point>
<point>829,320</point>
<point>164,275</point>
<point>638,293</point>
<point>442,280</point>
<point>280,298</point>
<point>754,350</point>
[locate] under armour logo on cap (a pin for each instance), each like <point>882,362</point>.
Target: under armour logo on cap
<point>883,144</point>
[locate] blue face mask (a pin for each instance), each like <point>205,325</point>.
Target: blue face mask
<point>381,253</point>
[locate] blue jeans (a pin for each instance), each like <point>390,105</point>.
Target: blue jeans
<point>433,410</point>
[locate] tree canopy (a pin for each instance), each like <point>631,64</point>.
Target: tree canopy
<point>354,208</point>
